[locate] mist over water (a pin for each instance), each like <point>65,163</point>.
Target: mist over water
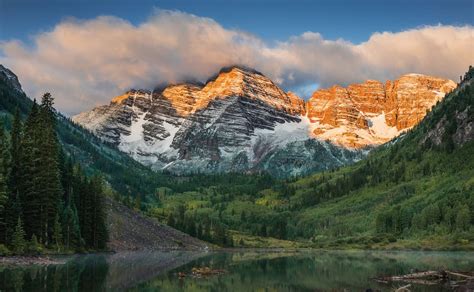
<point>244,271</point>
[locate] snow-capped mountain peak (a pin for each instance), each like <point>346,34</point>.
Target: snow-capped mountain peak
<point>240,120</point>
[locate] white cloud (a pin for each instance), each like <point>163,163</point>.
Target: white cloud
<point>86,63</point>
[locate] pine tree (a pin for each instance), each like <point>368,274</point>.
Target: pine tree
<point>44,197</point>
<point>463,218</point>
<point>28,184</point>
<point>71,229</point>
<point>96,234</point>
<point>3,209</point>
<point>81,201</point>
<point>67,172</point>
<point>138,203</point>
<point>199,231</point>
<point>3,185</point>
<point>170,221</point>
<point>14,202</point>
<point>34,247</point>
<point>219,235</point>
<point>49,179</point>
<point>206,233</point>
<point>18,240</point>
<point>15,153</point>
<point>189,225</point>
<point>13,210</point>
<point>85,209</point>
<point>40,186</point>
<point>57,235</point>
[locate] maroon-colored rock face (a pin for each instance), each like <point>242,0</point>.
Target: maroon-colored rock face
<point>241,120</point>
<point>372,113</point>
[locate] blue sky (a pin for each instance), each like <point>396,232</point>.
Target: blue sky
<point>273,20</point>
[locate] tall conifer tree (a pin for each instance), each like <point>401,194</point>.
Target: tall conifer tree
<point>15,153</point>
<point>4,164</point>
<point>13,205</point>
<point>49,179</point>
<point>28,185</point>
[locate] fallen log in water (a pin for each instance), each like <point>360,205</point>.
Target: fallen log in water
<point>449,278</point>
<point>420,275</point>
<point>428,275</point>
<point>403,288</point>
<point>465,275</point>
<point>206,271</point>
<point>202,272</point>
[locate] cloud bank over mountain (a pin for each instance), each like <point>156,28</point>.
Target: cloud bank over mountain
<point>85,62</point>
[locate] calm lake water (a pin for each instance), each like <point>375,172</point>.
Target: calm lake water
<point>244,271</point>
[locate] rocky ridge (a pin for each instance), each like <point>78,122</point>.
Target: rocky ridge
<point>372,113</point>
<point>241,121</point>
<point>8,76</point>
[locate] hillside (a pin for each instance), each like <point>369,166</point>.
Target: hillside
<point>125,175</point>
<point>130,230</point>
<point>415,192</point>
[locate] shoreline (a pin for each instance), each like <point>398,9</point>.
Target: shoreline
<point>60,259</point>
<point>41,260</point>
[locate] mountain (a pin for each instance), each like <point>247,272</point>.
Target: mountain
<point>8,76</point>
<point>372,113</point>
<point>240,121</point>
<point>416,192</point>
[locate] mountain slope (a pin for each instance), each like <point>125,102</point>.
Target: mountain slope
<point>414,192</point>
<point>130,230</point>
<point>122,172</point>
<point>241,121</point>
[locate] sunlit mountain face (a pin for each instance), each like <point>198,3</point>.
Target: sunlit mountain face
<point>242,121</point>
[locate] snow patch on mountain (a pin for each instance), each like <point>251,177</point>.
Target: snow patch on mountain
<point>136,131</point>
<point>287,132</point>
<point>148,152</point>
<point>378,127</point>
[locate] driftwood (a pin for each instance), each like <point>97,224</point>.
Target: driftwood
<point>202,272</point>
<point>460,275</point>
<point>206,272</point>
<point>403,288</point>
<point>449,278</point>
<point>420,275</point>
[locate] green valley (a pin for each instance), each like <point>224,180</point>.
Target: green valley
<point>416,192</point>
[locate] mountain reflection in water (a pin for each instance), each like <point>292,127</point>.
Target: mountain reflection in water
<point>244,271</point>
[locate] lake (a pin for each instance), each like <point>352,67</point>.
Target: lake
<point>236,271</point>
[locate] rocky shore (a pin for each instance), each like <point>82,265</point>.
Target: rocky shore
<point>33,260</point>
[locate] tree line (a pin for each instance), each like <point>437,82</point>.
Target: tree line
<point>203,228</point>
<point>46,201</point>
